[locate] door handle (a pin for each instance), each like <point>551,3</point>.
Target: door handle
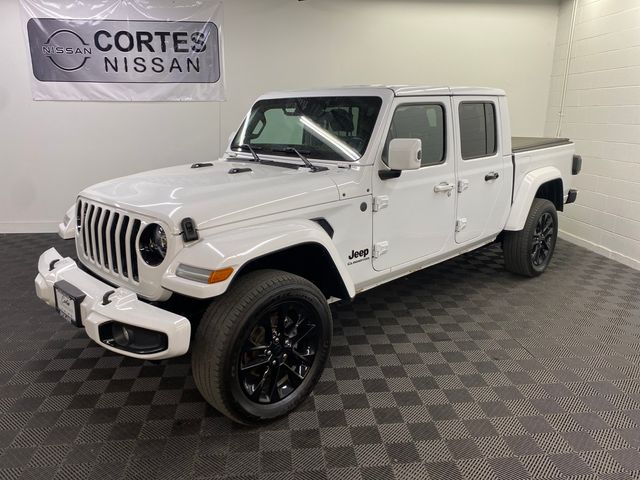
<point>491,176</point>
<point>444,187</point>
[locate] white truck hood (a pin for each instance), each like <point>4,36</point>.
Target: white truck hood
<point>212,196</point>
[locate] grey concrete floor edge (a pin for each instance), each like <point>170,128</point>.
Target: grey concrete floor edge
<point>458,371</point>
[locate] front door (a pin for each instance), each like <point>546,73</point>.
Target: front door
<point>414,214</point>
<point>483,187</point>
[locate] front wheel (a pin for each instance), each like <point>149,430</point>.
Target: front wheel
<point>261,348</point>
<point>529,251</point>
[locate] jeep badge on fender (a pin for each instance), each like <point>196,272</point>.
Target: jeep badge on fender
<point>273,224</point>
<point>357,256</point>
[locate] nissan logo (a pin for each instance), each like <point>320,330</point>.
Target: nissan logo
<point>66,50</point>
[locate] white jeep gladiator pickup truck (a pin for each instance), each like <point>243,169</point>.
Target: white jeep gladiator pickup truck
<point>320,195</point>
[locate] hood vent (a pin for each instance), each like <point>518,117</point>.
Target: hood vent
<point>233,171</point>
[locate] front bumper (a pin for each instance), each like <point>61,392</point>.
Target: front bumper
<point>123,306</point>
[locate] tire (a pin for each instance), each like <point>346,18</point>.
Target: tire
<point>246,330</point>
<point>529,251</point>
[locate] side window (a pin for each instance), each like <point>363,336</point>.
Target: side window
<point>426,122</point>
<point>477,129</point>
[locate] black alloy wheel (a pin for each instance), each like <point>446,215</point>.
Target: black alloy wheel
<point>261,347</point>
<point>278,352</point>
<point>543,238</point>
<point>529,251</point>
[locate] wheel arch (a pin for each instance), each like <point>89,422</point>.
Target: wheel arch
<point>543,183</point>
<point>309,260</point>
<point>301,247</point>
<point>552,191</point>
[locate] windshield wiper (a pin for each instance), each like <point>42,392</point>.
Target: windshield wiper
<point>253,151</point>
<point>304,159</point>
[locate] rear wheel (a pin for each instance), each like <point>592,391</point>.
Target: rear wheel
<point>529,251</point>
<point>261,348</point>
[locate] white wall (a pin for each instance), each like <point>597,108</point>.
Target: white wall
<point>602,115</point>
<point>51,150</point>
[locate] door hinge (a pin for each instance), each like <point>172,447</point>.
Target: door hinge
<point>380,202</point>
<point>461,223</point>
<point>462,185</point>
<point>380,249</point>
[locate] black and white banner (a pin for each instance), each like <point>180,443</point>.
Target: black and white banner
<point>125,50</point>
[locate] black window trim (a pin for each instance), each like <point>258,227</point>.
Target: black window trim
<point>495,129</point>
<point>445,142</point>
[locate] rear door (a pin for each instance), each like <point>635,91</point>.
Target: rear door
<point>482,185</point>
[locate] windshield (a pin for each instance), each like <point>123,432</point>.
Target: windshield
<point>326,128</point>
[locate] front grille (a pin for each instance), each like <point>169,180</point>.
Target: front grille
<point>108,239</point>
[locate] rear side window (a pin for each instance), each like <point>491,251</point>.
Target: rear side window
<point>477,129</point>
<point>423,121</point>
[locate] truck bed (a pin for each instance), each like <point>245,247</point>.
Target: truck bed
<point>525,144</point>
<point>538,154</point>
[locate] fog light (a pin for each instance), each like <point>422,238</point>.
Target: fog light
<point>132,339</point>
<point>122,335</point>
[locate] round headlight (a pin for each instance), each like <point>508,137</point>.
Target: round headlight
<point>153,244</point>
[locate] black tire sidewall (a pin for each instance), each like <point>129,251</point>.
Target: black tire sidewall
<point>233,394</point>
<point>541,207</point>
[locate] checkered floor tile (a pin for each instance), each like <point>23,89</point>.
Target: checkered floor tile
<point>458,371</point>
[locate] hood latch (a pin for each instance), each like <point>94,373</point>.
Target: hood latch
<point>189,232</point>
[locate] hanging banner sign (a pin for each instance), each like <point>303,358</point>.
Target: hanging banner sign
<point>121,55</point>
